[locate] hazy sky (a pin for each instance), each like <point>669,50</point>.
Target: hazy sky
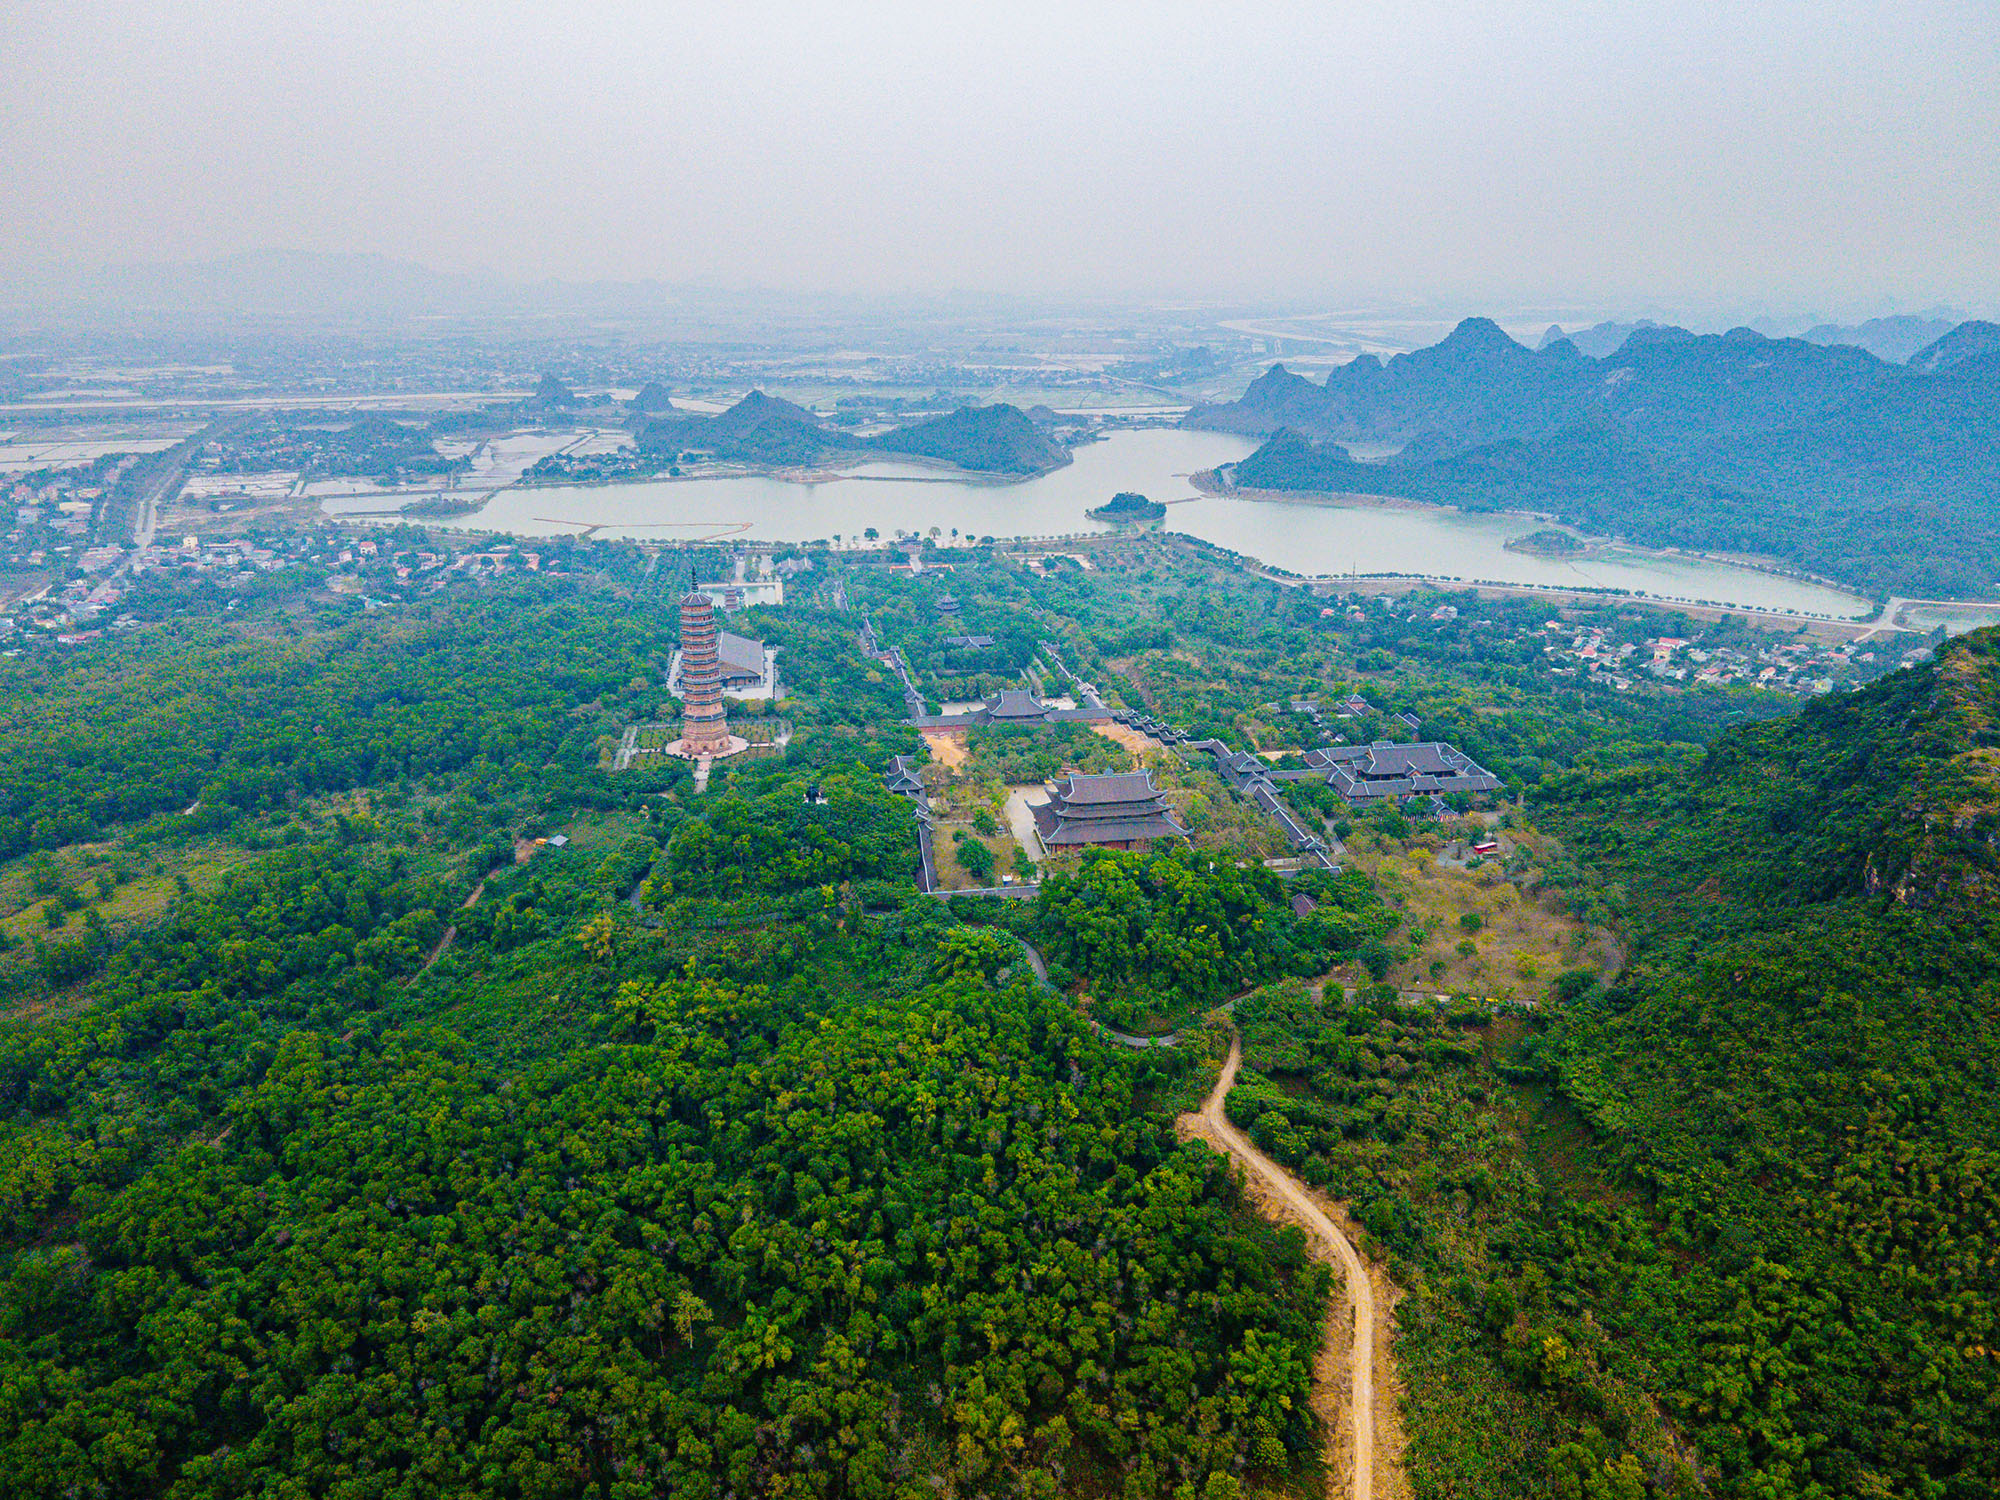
<point>1681,152</point>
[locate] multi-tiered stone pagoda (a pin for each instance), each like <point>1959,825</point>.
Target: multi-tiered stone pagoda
<point>704,724</point>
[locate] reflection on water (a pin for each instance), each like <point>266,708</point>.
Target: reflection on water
<point>1379,539</point>
<point>1956,620</point>
<point>1305,538</point>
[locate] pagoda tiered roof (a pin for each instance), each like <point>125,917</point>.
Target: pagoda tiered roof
<point>1117,810</point>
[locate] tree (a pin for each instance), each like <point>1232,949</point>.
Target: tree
<point>977,858</point>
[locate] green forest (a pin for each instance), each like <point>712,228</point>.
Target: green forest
<point>698,1157</point>
<point>358,1140</point>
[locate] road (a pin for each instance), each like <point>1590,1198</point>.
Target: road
<point>1213,1125</point>
<point>146,519</point>
<point>1885,622</point>
<point>166,469</point>
<point>451,932</point>
<point>1124,1038</point>
<point>1889,621</point>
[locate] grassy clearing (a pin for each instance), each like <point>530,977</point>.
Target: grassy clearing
<point>1520,936</point>
<point>128,888</point>
<point>952,871</point>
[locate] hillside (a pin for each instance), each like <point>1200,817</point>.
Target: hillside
<point>991,439</point>
<point>1972,340</point>
<point>388,1149</point>
<point>1884,477</point>
<point>1594,476</point>
<point>758,429</point>
<point>1799,1071</point>
<point>763,429</point>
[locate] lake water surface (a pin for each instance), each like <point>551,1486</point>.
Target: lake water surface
<point>1306,538</point>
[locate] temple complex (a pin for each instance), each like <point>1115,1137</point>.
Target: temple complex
<point>1386,772</point>
<point>1123,810</point>
<point>745,668</point>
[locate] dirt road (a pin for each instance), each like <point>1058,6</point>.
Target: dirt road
<point>1213,1125</point>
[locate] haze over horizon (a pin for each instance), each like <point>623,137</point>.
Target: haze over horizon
<point>1842,157</point>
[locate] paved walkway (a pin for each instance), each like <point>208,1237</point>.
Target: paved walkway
<point>1020,817</point>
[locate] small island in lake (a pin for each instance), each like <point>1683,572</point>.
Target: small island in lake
<point>1548,542</point>
<point>1127,505</point>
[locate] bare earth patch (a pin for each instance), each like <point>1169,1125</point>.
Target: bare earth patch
<point>946,749</point>
<point>1126,736</point>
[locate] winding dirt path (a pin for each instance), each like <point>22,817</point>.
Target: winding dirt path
<point>1212,1124</point>
<point>449,932</point>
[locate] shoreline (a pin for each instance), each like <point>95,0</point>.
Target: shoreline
<point>1210,484</point>
<point>948,473</point>
<point>1407,582</point>
<point>1341,582</point>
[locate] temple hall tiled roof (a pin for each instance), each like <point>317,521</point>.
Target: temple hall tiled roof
<point>1368,773</point>
<point>1119,808</point>
<point>1016,705</point>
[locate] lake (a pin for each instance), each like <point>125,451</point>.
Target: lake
<point>1306,538</point>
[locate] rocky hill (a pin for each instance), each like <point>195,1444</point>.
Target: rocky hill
<point>759,429</point>
<point>1479,386</point>
<point>1884,476</point>
<point>653,398</point>
<point>763,429</point>
<point>991,439</point>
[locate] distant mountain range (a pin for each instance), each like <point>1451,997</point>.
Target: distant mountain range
<point>1597,340</point>
<point>1894,339</point>
<point>1885,476</point>
<point>765,429</point>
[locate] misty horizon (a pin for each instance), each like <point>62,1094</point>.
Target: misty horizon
<point>1617,160</point>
